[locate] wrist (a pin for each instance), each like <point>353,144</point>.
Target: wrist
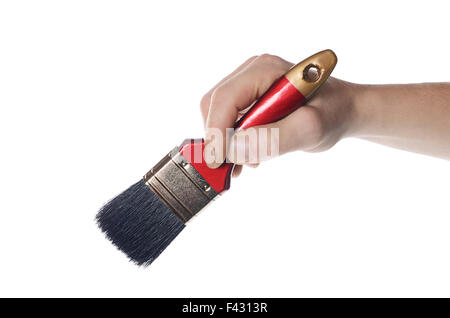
<point>363,113</point>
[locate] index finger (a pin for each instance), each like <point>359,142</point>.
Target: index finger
<point>206,99</point>
<point>235,94</point>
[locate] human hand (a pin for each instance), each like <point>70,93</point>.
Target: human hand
<point>316,126</point>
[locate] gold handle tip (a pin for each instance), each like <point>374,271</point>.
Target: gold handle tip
<point>308,75</point>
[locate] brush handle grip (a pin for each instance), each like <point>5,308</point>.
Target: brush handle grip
<point>285,96</point>
<point>279,101</point>
<point>290,91</point>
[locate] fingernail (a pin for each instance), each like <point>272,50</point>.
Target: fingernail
<point>213,153</point>
<point>210,155</point>
<point>238,150</point>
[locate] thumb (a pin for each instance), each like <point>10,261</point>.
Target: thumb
<point>301,130</point>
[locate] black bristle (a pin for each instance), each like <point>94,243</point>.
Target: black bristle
<point>139,223</point>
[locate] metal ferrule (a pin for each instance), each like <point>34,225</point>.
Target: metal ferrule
<point>179,185</point>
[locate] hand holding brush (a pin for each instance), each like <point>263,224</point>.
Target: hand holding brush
<point>413,117</point>
<point>145,218</point>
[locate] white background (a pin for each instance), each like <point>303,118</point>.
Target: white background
<point>94,93</point>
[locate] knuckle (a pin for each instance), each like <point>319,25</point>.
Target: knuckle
<point>269,59</point>
<point>218,96</point>
<point>306,136</point>
<point>205,102</point>
<point>315,129</point>
<point>253,151</point>
<point>252,58</point>
<point>318,134</point>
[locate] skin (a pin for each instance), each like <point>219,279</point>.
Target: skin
<point>412,117</point>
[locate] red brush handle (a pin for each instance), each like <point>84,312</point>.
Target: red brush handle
<point>279,101</point>
<point>283,97</point>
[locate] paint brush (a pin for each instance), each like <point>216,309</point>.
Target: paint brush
<point>144,219</point>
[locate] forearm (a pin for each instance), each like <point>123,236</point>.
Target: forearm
<point>413,117</point>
